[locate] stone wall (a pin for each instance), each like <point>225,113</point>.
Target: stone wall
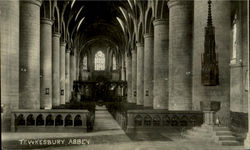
<point>238,71</point>
<point>238,81</point>
<point>222,23</point>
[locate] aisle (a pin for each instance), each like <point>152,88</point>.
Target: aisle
<point>104,120</point>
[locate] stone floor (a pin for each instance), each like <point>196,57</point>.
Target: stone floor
<point>108,135</point>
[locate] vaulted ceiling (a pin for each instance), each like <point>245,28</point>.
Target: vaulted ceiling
<point>120,21</point>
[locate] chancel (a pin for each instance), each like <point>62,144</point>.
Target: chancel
<point>136,70</point>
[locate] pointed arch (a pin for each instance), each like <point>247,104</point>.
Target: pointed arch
<point>140,33</point>
<point>149,21</point>
<point>56,18</point>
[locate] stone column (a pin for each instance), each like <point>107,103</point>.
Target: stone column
<point>123,70</point>
<point>62,72</point>
<point>160,64</point>
<point>67,76</point>
<point>29,82</point>
<point>134,76</point>
<point>123,73</point>
<point>140,79</point>
<point>9,60</point>
<point>247,140</point>
<point>180,54</point>
<point>148,69</point>
<point>72,68</point>
<point>77,65</point>
<point>129,77</point>
<point>55,69</point>
<point>46,64</point>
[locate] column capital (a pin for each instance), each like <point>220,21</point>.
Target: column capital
<point>172,3</point>
<point>68,50</point>
<point>46,21</point>
<point>35,2</point>
<point>133,50</point>
<point>148,35</point>
<point>160,22</point>
<point>56,34</point>
<point>63,43</point>
<point>138,44</point>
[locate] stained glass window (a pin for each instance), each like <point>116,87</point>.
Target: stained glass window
<point>114,63</point>
<point>99,61</point>
<point>85,62</point>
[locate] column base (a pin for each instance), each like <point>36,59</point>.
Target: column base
<point>148,107</point>
<point>139,106</point>
<point>247,141</point>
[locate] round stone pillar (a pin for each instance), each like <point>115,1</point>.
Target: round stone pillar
<point>9,33</point>
<point>123,70</point>
<point>67,75</point>
<point>129,77</point>
<point>134,75</point>
<point>55,69</point>
<point>140,77</point>
<point>148,69</point>
<point>46,64</point>
<point>72,68</point>
<point>180,54</point>
<point>29,82</point>
<point>77,65</point>
<point>62,72</point>
<point>247,140</point>
<point>160,64</point>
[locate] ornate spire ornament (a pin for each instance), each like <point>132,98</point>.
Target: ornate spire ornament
<point>209,62</point>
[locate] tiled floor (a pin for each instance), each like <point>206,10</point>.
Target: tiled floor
<point>108,135</point>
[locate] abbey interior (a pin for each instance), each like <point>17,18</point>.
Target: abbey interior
<point>142,74</point>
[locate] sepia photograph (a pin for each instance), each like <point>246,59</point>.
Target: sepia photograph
<point>125,74</point>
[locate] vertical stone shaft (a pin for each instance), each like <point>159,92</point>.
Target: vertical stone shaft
<point>67,75</point>
<point>148,69</point>
<point>62,72</point>
<point>72,68</point>
<point>55,69</point>
<point>180,54</point>
<point>140,79</point>
<point>77,65</point>
<point>247,140</point>
<point>9,49</point>
<point>134,76</point>
<point>123,71</point>
<point>129,77</point>
<point>46,63</point>
<point>29,82</point>
<point>160,64</point>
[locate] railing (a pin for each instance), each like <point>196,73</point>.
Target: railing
<point>157,119</point>
<point>121,119</point>
<point>49,120</point>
